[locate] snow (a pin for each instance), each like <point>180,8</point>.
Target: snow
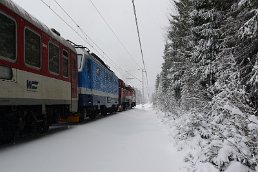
<point>237,166</point>
<point>196,149</point>
<point>242,2</point>
<point>254,123</point>
<point>131,141</point>
<point>233,110</point>
<point>253,119</point>
<point>207,167</point>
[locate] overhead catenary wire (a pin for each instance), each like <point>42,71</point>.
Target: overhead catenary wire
<point>77,25</point>
<point>86,37</point>
<point>64,21</point>
<point>114,33</point>
<point>140,43</point>
<point>81,30</point>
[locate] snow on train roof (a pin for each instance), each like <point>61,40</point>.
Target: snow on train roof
<point>21,12</point>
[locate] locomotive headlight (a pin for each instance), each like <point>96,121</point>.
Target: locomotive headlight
<point>6,73</point>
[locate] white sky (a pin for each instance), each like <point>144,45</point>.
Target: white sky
<point>152,18</point>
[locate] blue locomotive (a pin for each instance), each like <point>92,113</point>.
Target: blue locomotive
<point>97,85</point>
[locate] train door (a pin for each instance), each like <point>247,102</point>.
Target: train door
<point>74,81</point>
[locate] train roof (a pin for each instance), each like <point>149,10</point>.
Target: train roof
<point>125,85</point>
<point>24,14</point>
<point>100,60</point>
<point>81,49</point>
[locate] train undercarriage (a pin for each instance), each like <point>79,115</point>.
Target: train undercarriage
<point>20,121</point>
<point>93,111</point>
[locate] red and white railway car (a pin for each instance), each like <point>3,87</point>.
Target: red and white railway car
<point>130,95</point>
<point>127,97</point>
<point>38,73</point>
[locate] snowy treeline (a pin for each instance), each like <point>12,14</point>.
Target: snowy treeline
<point>208,85</point>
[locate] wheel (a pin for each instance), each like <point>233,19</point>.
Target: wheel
<point>7,135</point>
<point>92,115</point>
<point>104,111</point>
<point>83,115</point>
<point>114,110</point>
<point>45,127</point>
<point>1,136</point>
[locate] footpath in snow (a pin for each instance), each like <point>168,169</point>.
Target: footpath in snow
<point>131,141</point>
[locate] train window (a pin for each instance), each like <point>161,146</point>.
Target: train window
<point>32,49</point>
<point>53,57</point>
<point>7,38</point>
<point>65,63</point>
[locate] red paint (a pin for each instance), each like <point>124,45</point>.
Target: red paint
<point>125,91</point>
<point>74,77</point>
<point>21,24</point>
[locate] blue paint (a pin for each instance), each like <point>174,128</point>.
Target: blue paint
<point>96,77</point>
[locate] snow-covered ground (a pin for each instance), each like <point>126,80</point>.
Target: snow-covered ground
<point>131,141</point>
<point>195,148</point>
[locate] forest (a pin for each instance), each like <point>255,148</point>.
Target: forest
<point>208,86</point>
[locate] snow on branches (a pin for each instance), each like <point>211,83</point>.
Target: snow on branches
<point>208,86</point>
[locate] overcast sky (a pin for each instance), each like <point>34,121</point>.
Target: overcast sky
<point>152,18</point>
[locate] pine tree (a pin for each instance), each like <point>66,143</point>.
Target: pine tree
<point>176,54</point>
<point>210,71</point>
<point>228,109</point>
<point>246,50</point>
<point>207,22</point>
<point>231,112</point>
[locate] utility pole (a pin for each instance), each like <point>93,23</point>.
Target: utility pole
<point>142,90</point>
<point>143,98</point>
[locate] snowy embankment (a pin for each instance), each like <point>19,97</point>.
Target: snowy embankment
<point>130,141</point>
<point>198,150</point>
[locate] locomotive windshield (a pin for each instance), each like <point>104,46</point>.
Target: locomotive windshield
<point>79,58</point>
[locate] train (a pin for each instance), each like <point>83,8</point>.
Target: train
<point>45,79</point>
